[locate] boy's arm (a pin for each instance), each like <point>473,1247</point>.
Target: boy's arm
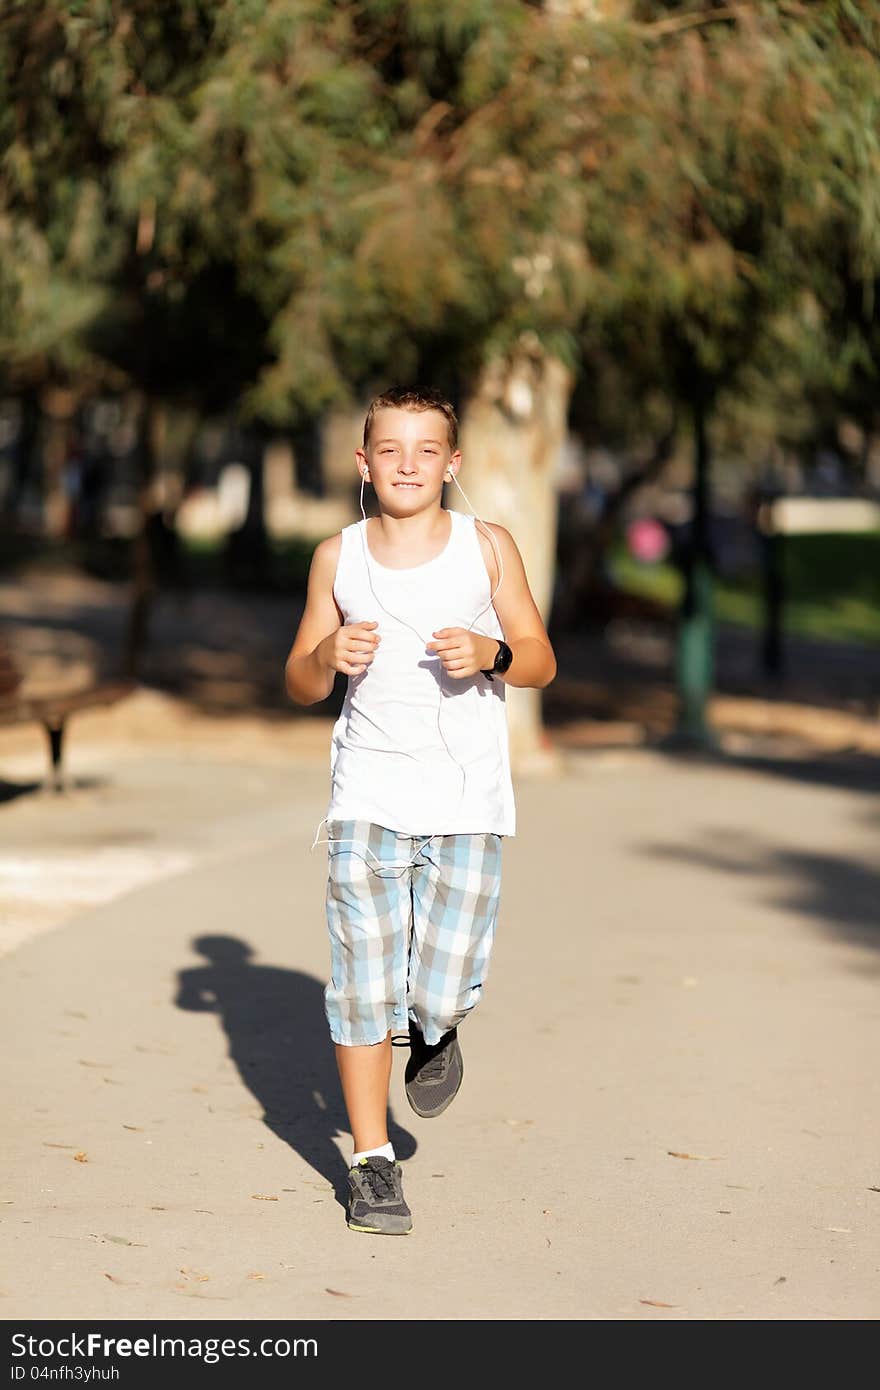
<point>308,676</point>
<point>534,661</point>
<point>463,652</point>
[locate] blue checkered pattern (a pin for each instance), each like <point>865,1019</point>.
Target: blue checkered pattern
<point>411,923</point>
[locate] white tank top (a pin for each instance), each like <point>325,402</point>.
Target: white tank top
<point>389,763</point>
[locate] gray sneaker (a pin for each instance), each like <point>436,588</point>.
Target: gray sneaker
<point>433,1073</point>
<point>375,1200</point>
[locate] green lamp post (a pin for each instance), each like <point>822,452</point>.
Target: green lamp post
<point>695,658</point>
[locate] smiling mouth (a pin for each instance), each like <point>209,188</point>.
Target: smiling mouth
<point>406,485</point>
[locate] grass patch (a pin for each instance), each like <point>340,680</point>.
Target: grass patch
<point>832,585</point>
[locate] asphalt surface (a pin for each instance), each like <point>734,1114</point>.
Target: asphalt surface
<point>670,1096</point>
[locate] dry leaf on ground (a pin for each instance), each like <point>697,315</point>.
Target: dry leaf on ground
<point>704,1158</point>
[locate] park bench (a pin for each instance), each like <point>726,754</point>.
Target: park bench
<point>50,708</point>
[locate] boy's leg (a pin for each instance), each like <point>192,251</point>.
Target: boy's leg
<point>376,1202</point>
<point>456,894</point>
<point>368,915</point>
<point>365,1073</point>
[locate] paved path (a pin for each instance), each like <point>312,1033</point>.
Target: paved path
<point>671,1090</point>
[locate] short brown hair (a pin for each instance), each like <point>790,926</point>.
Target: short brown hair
<point>414,398</point>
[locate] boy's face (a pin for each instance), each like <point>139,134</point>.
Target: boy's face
<point>408,458</point>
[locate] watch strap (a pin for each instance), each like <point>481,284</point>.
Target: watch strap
<point>496,667</point>
<point>488,674</point>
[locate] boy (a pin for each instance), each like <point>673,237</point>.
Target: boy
<point>402,604</point>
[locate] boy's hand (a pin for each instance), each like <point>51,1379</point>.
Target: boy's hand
<point>350,649</point>
<point>462,652</point>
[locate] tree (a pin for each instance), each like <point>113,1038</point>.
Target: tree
<point>282,203</point>
<point>726,150</point>
<point>110,280</point>
<point>401,203</point>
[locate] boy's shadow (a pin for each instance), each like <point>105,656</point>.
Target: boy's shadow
<point>278,1038</point>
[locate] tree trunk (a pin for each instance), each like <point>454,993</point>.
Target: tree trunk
<point>341,432</point>
<point>512,429</point>
<point>59,405</point>
<point>586,592</point>
<point>25,459</point>
<point>247,559</point>
<point>143,577</point>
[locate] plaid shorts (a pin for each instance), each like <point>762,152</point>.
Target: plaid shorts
<point>411,924</point>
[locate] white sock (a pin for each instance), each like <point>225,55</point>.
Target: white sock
<point>385,1151</point>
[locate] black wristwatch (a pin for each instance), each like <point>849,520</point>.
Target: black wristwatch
<point>502,660</point>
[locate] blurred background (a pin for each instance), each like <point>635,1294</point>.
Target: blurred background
<point>638,245</point>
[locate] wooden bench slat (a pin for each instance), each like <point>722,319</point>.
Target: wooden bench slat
<point>20,708</point>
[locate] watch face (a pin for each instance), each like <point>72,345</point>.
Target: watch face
<point>503,659</point>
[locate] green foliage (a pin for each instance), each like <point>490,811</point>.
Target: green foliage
<point>673,200</point>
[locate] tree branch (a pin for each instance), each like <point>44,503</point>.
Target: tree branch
<point>674,25</point>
